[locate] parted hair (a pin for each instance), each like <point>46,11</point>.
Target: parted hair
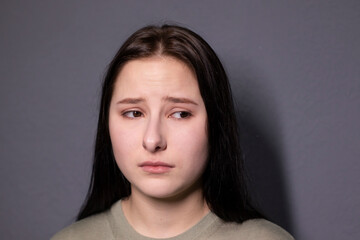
<point>223,181</point>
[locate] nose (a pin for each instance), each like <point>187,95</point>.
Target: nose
<point>154,139</point>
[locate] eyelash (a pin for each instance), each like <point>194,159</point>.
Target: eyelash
<point>188,114</point>
<point>126,114</point>
<point>134,112</point>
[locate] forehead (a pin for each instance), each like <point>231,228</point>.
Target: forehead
<point>157,73</point>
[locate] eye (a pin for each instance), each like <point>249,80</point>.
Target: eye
<point>180,115</point>
<point>133,114</point>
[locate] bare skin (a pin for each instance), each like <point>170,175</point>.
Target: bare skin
<point>163,219</point>
<point>157,124</point>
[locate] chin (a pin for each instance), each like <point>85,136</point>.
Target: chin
<point>168,192</point>
<point>160,192</point>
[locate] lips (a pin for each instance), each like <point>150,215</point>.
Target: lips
<point>156,167</point>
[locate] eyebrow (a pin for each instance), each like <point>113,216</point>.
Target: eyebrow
<point>179,100</point>
<point>167,99</point>
<point>131,100</point>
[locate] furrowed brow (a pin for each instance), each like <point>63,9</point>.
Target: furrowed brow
<point>131,101</point>
<point>180,100</point>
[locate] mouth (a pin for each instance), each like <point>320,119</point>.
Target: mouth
<point>156,167</point>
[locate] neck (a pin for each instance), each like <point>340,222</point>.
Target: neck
<point>163,218</point>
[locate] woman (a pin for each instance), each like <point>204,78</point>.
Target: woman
<point>167,157</point>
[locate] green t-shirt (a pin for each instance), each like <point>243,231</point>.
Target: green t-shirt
<point>112,224</point>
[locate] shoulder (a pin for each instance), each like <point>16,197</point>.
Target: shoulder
<point>263,229</point>
<point>254,229</point>
<point>93,227</point>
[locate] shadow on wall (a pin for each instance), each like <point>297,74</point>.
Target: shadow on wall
<point>260,136</point>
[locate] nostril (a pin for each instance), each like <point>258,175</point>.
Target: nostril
<point>158,148</point>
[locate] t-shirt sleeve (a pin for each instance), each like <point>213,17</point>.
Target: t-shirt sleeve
<point>255,229</point>
<point>94,227</point>
<point>261,229</point>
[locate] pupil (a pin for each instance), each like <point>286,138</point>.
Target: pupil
<point>137,114</point>
<point>184,114</point>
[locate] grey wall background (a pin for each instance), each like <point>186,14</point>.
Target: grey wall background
<point>294,69</point>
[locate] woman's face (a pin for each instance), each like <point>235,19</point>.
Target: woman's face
<point>157,124</point>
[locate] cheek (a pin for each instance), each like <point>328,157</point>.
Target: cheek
<point>124,150</point>
<point>124,143</point>
<point>192,145</point>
